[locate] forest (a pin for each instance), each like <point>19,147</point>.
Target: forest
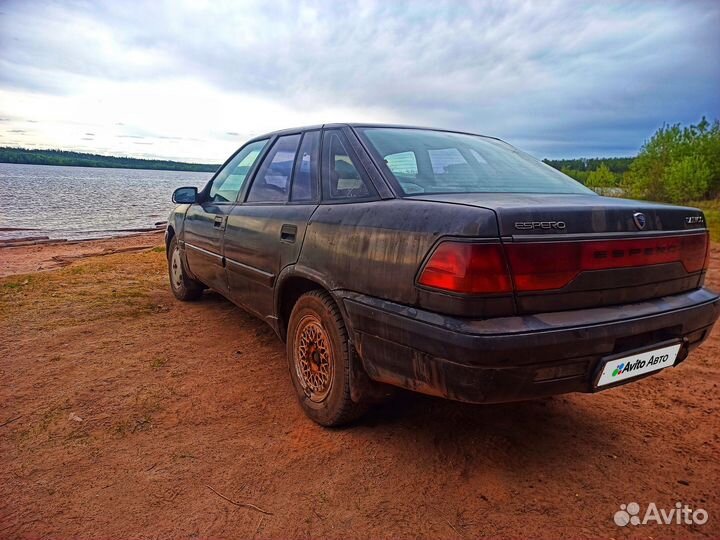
<point>677,164</point>
<point>79,159</point>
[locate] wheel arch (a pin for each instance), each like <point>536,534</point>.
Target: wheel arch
<point>291,285</point>
<point>294,281</point>
<point>169,235</point>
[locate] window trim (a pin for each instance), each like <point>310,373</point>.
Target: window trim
<point>205,192</point>
<point>357,163</point>
<point>379,162</point>
<point>414,157</point>
<point>315,178</point>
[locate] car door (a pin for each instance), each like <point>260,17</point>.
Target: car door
<point>206,220</point>
<point>265,232</point>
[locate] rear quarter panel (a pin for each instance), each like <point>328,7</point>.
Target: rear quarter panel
<point>376,248</point>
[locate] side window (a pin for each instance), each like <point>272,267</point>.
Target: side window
<point>404,167</point>
<point>342,179</point>
<point>230,180</point>
<point>272,181</point>
<point>304,187</point>
<point>403,164</point>
<point>445,159</point>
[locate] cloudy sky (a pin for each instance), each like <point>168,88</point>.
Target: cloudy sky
<point>191,80</point>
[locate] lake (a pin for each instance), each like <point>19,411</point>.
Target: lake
<point>85,202</point>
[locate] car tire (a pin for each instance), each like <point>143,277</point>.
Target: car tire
<point>318,351</point>
<point>183,286</point>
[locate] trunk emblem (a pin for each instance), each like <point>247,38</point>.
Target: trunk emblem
<point>531,225</point>
<point>640,220</point>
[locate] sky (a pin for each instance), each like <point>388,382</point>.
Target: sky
<point>192,80</point>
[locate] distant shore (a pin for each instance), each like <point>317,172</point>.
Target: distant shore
<point>29,156</point>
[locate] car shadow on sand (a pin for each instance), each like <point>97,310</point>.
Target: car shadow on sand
<point>532,432</point>
<point>529,434</point>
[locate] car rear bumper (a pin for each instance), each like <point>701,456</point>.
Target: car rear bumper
<point>515,358</point>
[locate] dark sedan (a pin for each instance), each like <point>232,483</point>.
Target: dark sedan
<point>446,263</point>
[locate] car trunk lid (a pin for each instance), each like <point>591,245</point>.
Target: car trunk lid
<point>577,251</point>
<point>521,214</point>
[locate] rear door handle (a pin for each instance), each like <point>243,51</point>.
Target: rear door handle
<point>288,233</point>
<point>219,222</point>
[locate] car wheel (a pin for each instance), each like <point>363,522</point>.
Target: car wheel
<point>183,286</point>
<point>318,352</point>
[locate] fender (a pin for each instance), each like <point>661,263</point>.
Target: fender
<point>299,270</point>
<point>176,222</point>
<point>361,387</point>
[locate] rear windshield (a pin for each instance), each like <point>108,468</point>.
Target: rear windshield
<point>427,161</point>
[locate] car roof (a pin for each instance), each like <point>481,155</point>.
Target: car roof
<point>290,131</point>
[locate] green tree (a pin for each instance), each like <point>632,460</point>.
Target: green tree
<point>580,176</point>
<point>677,164</point>
<point>601,177</point>
<point>687,179</point>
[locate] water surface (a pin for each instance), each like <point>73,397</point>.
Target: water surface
<point>85,202</point>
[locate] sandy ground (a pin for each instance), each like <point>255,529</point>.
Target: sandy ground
<point>127,414</point>
<point>26,259</point>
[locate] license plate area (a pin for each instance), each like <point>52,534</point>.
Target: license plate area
<point>631,365</point>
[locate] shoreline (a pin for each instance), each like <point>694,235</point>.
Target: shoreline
<point>43,255</point>
<point>38,238</point>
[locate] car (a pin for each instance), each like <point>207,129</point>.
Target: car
<point>442,262</point>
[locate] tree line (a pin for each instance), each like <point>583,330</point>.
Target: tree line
<point>79,159</point>
<point>677,164</point>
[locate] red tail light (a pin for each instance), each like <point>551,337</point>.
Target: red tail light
<point>481,268</point>
<point>552,265</point>
<point>467,268</point>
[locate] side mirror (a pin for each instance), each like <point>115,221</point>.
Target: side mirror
<point>185,195</point>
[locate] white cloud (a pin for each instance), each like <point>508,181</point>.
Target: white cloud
<point>557,78</point>
<point>182,119</point>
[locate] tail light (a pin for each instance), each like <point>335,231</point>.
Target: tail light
<point>538,266</point>
<point>467,268</point>
<point>546,266</point>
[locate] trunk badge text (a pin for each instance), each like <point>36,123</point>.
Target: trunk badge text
<point>531,225</point>
<point>640,220</point>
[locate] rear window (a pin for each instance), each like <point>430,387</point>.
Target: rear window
<point>427,161</point>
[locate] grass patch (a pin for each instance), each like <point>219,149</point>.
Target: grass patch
<point>15,283</point>
<point>114,287</point>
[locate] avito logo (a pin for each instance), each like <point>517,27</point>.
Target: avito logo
<point>639,364</point>
<point>629,514</point>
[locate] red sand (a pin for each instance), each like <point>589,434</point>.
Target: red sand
<point>121,408</point>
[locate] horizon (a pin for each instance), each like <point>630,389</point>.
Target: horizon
<point>218,163</point>
<point>190,82</point>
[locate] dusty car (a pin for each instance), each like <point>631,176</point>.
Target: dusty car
<point>446,263</point>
